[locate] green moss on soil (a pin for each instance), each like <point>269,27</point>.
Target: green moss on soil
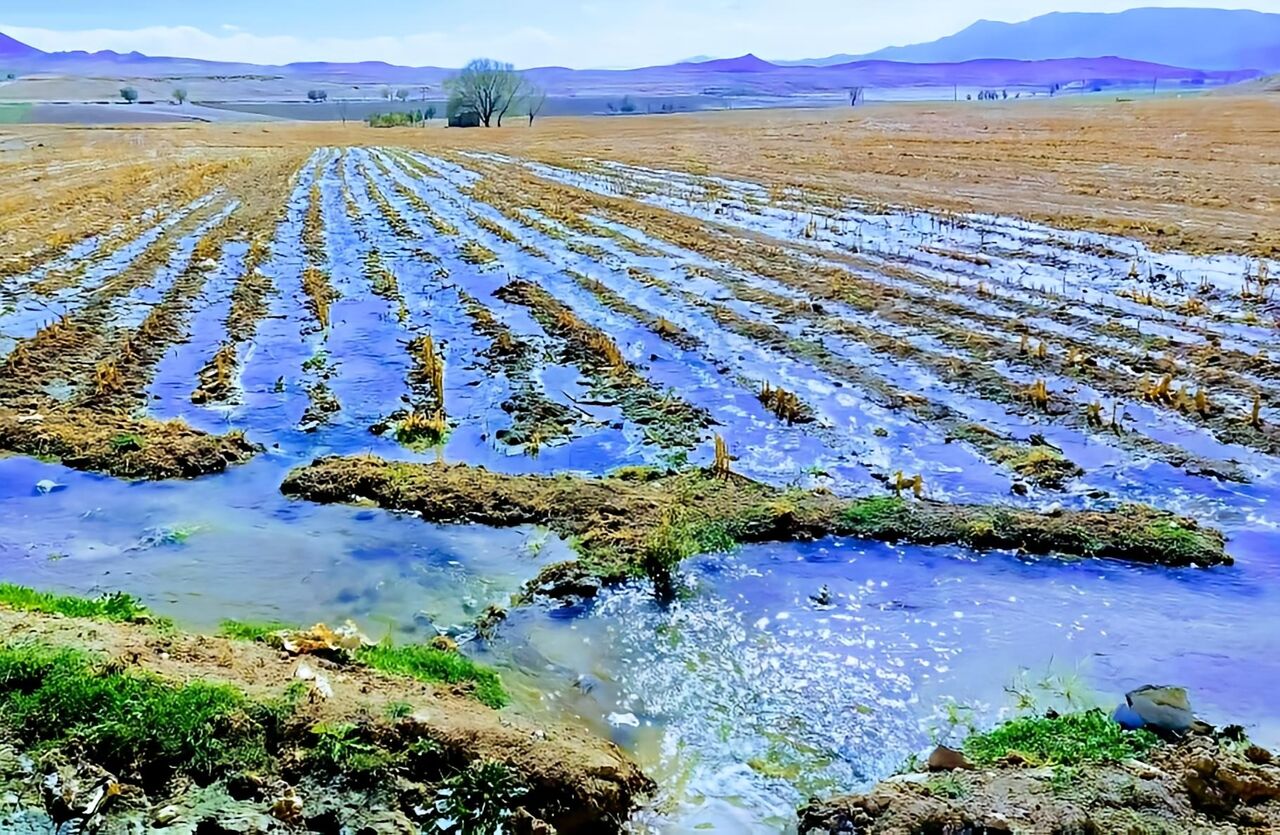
<point>1037,463</point>
<point>239,630</point>
<point>436,666</point>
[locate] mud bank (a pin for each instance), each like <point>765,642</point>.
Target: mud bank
<point>191,733</point>
<point>622,524</point>
<point>1207,783</point>
<point>122,446</point>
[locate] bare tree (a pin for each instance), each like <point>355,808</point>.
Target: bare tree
<point>536,99</point>
<point>402,94</point>
<point>342,110</point>
<point>487,88</point>
<point>855,95</point>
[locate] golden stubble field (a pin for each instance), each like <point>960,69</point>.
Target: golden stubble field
<point>1199,173</point>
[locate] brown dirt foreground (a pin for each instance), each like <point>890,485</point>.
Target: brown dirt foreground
<point>1204,785</point>
<point>576,782</point>
<point>638,520</point>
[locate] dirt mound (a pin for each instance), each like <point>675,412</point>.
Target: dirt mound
<point>358,737</point>
<point>1204,784</point>
<point>645,521</point>
<point>122,446</point>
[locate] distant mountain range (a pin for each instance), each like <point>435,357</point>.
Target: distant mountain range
<point>1206,39</point>
<point>953,62</point>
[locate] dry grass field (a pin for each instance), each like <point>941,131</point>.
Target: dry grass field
<point>1199,173</point>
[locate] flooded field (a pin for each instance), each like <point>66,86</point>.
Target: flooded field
<point>177,335</point>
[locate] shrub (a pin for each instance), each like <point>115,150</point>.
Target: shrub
<point>390,120</point>
<point>1070,739</point>
<point>479,800</point>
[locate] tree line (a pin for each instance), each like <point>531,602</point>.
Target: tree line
<point>486,89</point>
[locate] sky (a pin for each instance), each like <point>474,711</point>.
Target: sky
<point>529,33</point>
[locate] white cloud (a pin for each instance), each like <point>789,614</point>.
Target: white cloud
<point>595,33</point>
<point>231,44</point>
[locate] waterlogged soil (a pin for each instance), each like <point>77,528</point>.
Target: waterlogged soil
<point>591,316</point>
<point>622,523</point>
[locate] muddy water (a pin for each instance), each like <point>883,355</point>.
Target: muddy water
<point>746,695</point>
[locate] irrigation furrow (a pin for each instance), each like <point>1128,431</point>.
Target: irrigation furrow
<point>28,311</point>
<point>62,355</point>
<point>1101,269</point>
<point>831,282</point>
<point>739,406</point>
<point>1240,344</point>
<point>492,351</point>
<point>1137,485</point>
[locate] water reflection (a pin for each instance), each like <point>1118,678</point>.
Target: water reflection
<point>758,689</point>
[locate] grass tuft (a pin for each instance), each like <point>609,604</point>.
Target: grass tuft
<point>116,606</point>
<point>238,630</point>
<point>435,666</point>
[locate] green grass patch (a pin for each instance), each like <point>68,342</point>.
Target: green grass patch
<point>1070,739</point>
<point>129,722</point>
<point>436,666</point>
<point>116,606</point>
<point>948,786</point>
<point>239,630</point>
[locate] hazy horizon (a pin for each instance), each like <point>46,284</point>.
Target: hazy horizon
<point>557,33</point>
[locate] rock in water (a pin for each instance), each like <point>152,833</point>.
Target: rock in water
<point>1156,708</point>
<point>1126,717</point>
<point>948,759</point>
<point>45,486</point>
<point>823,597</point>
